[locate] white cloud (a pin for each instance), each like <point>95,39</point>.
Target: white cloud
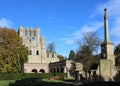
<point>5,23</point>
<point>116,29</point>
<point>94,26</point>
<point>68,40</point>
<point>116,42</point>
<point>115,32</point>
<point>71,39</point>
<point>113,7</point>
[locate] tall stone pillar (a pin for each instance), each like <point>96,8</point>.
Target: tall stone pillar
<point>106,37</point>
<point>107,46</point>
<point>107,70</point>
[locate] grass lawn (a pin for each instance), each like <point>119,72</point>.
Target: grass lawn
<point>44,82</point>
<point>6,82</point>
<point>54,81</point>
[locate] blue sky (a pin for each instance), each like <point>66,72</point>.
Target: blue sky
<point>62,21</point>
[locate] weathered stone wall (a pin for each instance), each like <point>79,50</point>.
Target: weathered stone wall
<point>39,67</point>
<point>107,70</point>
<point>67,66</point>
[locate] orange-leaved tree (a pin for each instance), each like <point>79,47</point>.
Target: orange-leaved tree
<point>12,53</point>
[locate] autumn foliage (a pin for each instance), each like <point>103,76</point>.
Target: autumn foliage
<point>12,53</point>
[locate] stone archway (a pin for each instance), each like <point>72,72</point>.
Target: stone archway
<point>42,71</point>
<point>51,70</point>
<point>62,69</point>
<point>54,71</point>
<point>58,70</point>
<point>34,71</point>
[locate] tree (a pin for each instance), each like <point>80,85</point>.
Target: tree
<point>12,53</point>
<point>117,55</point>
<point>61,58</point>
<point>72,55</point>
<point>84,56</point>
<point>51,47</point>
<point>92,40</point>
<point>85,51</point>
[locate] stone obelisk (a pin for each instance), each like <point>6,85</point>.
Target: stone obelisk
<point>106,26</point>
<point>107,46</point>
<point>107,70</point>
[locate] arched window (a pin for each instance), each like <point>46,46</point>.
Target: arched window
<point>58,70</point>
<point>30,52</point>
<point>25,32</point>
<point>30,40</point>
<point>52,54</point>
<point>51,70</point>
<point>30,33</point>
<point>42,71</point>
<point>61,69</point>
<point>54,72</point>
<point>37,52</point>
<point>47,55</point>
<point>34,71</point>
<point>34,33</point>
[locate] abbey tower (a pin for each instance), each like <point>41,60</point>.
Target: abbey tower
<point>38,59</point>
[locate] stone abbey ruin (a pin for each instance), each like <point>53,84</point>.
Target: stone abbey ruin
<point>39,61</point>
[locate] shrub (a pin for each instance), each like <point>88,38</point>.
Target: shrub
<point>18,76</point>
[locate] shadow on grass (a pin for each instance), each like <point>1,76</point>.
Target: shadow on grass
<point>102,83</point>
<point>39,82</point>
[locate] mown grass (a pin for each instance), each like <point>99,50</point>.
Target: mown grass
<point>54,81</point>
<point>6,82</point>
<point>44,82</point>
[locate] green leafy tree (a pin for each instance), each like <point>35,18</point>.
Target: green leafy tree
<point>95,63</point>
<point>117,55</point>
<point>72,55</point>
<point>61,58</point>
<point>84,56</point>
<point>12,53</point>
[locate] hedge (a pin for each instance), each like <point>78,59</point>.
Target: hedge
<point>18,76</point>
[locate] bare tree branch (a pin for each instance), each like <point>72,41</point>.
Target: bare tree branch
<point>51,47</point>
